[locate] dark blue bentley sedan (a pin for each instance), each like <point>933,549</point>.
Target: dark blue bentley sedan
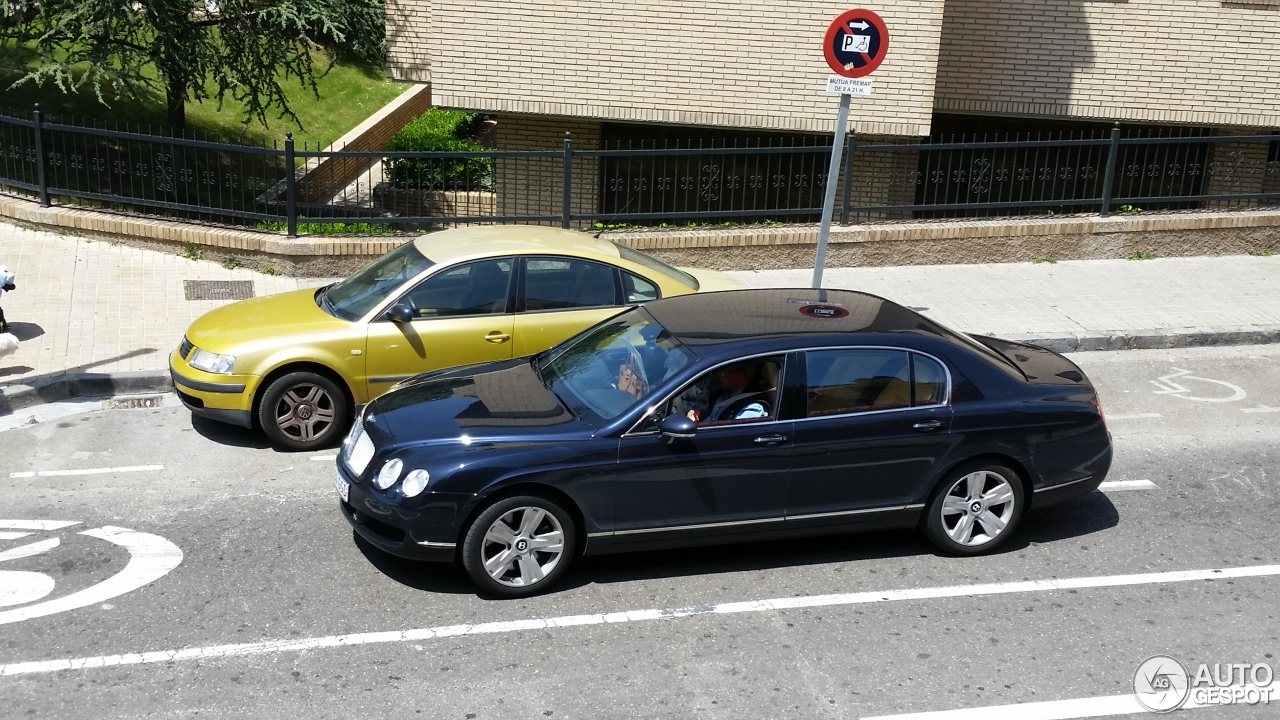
<point>721,417</point>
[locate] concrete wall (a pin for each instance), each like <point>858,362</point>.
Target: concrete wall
<point>1206,62</point>
<point>730,63</point>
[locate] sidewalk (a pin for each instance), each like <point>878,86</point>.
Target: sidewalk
<point>115,312</point>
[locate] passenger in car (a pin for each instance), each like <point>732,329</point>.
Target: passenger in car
<point>739,398</point>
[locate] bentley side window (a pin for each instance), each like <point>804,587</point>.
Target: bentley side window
<point>738,392</point>
<point>857,380</point>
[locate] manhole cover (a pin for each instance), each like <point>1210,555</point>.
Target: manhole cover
<point>218,289</point>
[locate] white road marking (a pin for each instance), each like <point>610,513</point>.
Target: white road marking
<point>1060,709</point>
<point>87,471</point>
<point>1169,387</point>
<point>29,549</point>
<point>627,616</point>
<point>1262,409</point>
<point>322,458</point>
<point>37,524</point>
<point>1134,416</point>
<point>150,558</point>
<point>1128,485</point>
<point>13,535</point>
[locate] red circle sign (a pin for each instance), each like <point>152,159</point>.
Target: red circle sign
<point>856,43</point>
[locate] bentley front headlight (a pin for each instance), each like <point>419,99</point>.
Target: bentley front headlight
<point>213,362</point>
<point>415,482</point>
<point>389,474</point>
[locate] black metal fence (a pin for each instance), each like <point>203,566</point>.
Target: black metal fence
<point>780,179</point>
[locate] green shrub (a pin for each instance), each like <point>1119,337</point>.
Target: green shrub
<point>321,228</point>
<point>440,131</point>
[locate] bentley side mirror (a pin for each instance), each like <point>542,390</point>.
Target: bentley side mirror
<point>677,427</point>
<point>400,313</point>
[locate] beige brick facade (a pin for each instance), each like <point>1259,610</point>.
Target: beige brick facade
<point>734,64</point>
<point>751,64</point>
<point>535,186</point>
<point>1205,62</point>
<point>408,40</point>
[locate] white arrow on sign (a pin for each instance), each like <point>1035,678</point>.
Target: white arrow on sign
<point>861,25</point>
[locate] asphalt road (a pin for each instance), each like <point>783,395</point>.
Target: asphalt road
<point>252,597</point>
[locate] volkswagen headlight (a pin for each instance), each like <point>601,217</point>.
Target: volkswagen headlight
<point>389,474</point>
<point>213,362</point>
<point>415,482</point>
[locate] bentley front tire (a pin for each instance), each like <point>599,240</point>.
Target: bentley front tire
<point>519,546</point>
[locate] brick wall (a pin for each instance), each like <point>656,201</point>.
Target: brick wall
<point>322,177</point>
<point>1208,62</point>
<point>729,63</point>
<point>535,186</point>
<point>408,35</point>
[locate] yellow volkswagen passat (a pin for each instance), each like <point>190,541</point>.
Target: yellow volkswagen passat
<point>296,364</point>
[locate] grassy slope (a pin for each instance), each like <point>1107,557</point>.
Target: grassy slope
<point>348,95</point>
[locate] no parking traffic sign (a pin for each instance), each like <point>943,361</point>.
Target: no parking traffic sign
<point>856,43</point>
<point>854,46</point>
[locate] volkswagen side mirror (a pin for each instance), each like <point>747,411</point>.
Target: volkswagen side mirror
<point>400,313</point>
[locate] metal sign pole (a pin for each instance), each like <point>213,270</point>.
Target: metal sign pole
<point>829,203</point>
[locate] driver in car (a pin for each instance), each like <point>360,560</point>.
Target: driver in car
<point>739,397</point>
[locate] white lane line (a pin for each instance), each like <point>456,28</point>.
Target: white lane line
<point>87,471</point>
<point>6,535</point>
<point>1062,709</point>
<point>322,458</point>
<point>1133,416</point>
<point>490,628</point>
<point>37,524</point>
<point>1263,409</point>
<point>1113,485</point>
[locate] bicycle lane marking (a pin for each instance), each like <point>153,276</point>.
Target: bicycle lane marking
<point>150,558</point>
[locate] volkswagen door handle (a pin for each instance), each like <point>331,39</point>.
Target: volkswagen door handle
<point>928,425</point>
<point>770,439</point>
<point>497,338</point>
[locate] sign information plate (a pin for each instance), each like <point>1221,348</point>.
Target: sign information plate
<point>856,43</point>
<point>848,86</point>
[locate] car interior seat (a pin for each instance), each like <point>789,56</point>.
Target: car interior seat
<point>594,286</point>
<point>487,291</point>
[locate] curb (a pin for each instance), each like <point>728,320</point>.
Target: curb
<point>104,385</point>
<point>86,385</point>
<point>1154,339</point>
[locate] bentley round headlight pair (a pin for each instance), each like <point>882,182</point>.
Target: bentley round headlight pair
<point>414,483</point>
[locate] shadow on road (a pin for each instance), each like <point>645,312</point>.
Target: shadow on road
<point>1090,514</point>
<point>227,434</point>
<point>1085,516</point>
<point>431,577</point>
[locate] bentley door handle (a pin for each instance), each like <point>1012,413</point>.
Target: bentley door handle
<point>497,337</point>
<point>770,439</point>
<point>928,425</point>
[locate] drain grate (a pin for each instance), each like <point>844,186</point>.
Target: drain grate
<point>136,402</point>
<point>218,289</point>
